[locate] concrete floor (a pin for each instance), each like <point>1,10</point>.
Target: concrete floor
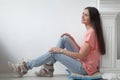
<point>29,77</point>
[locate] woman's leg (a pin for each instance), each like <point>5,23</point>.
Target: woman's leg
<point>48,68</point>
<point>67,43</point>
<point>69,62</point>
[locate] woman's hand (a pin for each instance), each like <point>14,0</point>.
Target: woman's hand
<point>67,34</point>
<point>56,49</point>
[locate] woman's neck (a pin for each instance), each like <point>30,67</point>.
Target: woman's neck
<point>88,27</point>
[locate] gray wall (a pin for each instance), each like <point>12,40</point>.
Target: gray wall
<point>4,58</point>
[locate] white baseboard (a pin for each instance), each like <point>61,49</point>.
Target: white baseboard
<point>115,70</point>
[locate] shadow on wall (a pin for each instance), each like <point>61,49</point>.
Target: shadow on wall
<point>118,36</point>
<point>4,58</point>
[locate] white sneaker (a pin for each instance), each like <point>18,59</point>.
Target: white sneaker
<point>20,69</point>
<point>45,71</point>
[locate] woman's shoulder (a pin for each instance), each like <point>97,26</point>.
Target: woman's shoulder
<point>91,32</point>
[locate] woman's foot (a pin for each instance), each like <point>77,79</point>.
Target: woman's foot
<point>46,71</point>
<point>21,68</point>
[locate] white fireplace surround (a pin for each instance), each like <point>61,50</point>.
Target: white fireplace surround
<point>109,62</point>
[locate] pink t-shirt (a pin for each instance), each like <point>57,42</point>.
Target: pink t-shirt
<point>91,61</point>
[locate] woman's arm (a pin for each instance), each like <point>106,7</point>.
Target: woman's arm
<point>80,55</point>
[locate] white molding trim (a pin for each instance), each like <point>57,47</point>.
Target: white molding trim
<point>109,1</point>
<point>110,5</point>
<point>108,64</point>
<point>104,70</point>
<point>109,13</point>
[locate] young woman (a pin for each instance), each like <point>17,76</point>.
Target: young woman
<point>82,59</point>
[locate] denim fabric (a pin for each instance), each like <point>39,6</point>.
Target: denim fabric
<point>72,64</point>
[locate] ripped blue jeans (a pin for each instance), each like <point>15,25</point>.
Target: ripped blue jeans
<point>72,64</point>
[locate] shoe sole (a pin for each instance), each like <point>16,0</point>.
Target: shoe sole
<point>43,75</point>
<point>14,68</point>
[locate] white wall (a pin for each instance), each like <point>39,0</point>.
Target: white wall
<point>29,28</point>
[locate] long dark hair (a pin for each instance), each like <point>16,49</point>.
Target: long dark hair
<point>97,25</point>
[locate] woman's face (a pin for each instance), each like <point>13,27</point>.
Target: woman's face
<point>86,17</point>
